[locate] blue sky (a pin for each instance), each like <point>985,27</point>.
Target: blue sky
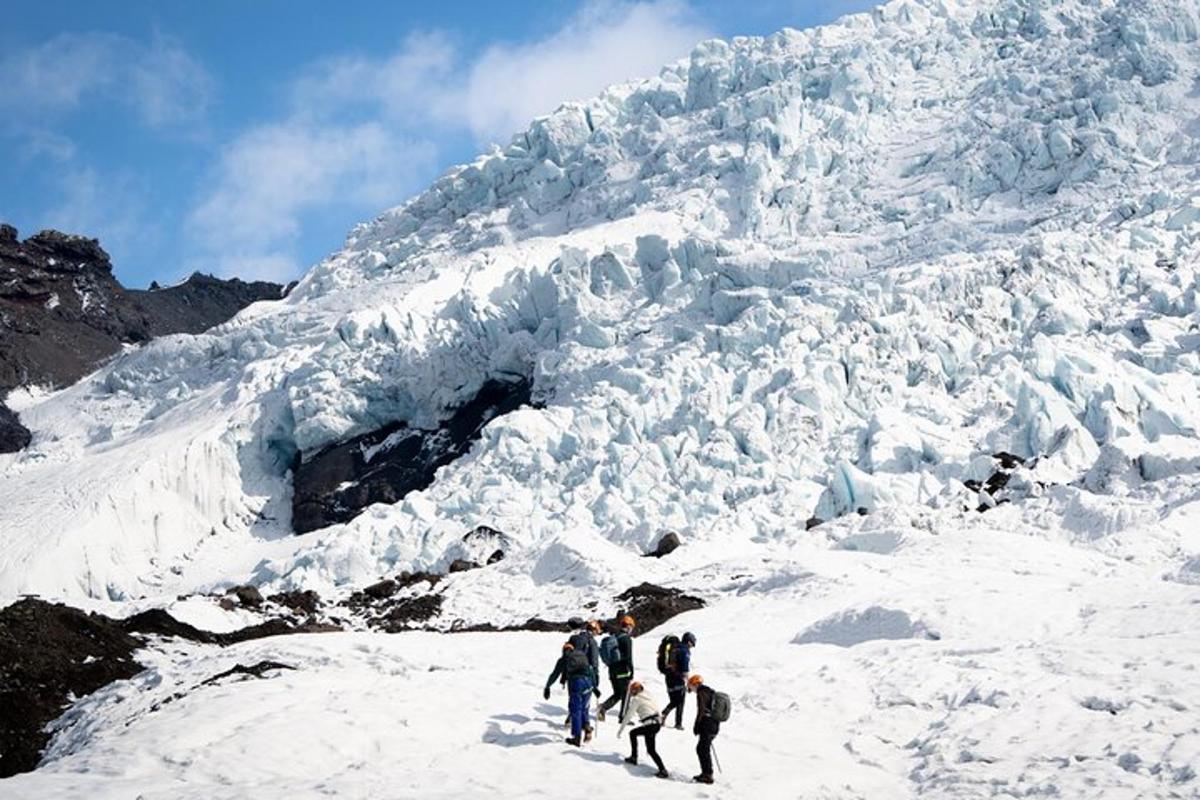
<point>247,138</point>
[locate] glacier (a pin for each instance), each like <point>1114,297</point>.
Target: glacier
<point>826,274</point>
<point>805,274</point>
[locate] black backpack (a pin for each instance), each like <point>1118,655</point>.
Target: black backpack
<point>577,665</point>
<point>667,649</point>
<point>580,641</point>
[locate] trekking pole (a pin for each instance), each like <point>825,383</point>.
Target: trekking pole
<point>712,749</point>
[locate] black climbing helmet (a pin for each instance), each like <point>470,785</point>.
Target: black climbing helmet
<point>575,622</point>
<point>689,639</point>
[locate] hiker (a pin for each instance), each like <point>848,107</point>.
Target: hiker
<point>584,640</point>
<point>573,669</point>
<point>617,654</point>
<point>705,727</point>
<point>675,663</point>
<point>642,713</point>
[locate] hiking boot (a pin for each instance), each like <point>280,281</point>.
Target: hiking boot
<point>662,773</point>
<point>600,715</point>
<point>571,740</point>
<point>587,734</point>
<point>678,727</point>
<point>631,760</point>
<point>703,779</point>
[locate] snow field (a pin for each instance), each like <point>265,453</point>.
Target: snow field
<point>1058,672</point>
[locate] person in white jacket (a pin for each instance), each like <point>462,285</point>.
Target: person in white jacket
<point>642,713</point>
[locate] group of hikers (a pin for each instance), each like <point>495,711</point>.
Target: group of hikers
<point>578,668</point>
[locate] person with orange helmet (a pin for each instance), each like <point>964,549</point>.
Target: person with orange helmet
<point>642,713</point>
<point>574,669</point>
<point>617,654</point>
<point>705,726</point>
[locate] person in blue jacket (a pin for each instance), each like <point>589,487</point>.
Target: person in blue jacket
<point>677,675</point>
<point>574,669</point>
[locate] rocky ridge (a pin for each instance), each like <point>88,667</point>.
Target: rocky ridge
<point>62,312</point>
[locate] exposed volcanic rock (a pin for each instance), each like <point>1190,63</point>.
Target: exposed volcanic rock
<point>335,484</point>
<point>254,670</point>
<point>652,605</point>
<point>13,435</point>
<point>49,654</point>
<point>159,622</point>
<point>668,544</point>
<point>62,312</point>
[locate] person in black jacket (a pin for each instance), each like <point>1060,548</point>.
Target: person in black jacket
<point>677,675</point>
<point>573,668</point>
<point>584,640</point>
<point>705,727</point>
<point>620,672</point>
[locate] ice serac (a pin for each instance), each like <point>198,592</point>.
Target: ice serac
<point>817,273</point>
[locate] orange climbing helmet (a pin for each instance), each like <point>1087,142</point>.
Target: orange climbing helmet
<point>635,687</point>
<point>568,646</point>
<point>694,681</point>
<point>628,622</point>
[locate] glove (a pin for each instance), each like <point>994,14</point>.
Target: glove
<point>597,693</point>
<point>546,693</point>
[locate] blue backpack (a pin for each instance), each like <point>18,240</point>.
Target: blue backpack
<point>610,651</point>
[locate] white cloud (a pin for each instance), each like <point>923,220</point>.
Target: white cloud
<point>604,44</point>
<point>400,87</point>
<point>110,206</point>
<point>271,176</point>
<point>362,133</point>
<point>159,82</point>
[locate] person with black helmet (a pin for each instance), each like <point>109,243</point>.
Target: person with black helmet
<point>642,713</point>
<point>677,675</point>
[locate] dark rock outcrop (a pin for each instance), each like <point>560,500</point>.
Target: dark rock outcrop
<point>254,670</point>
<point>50,653</point>
<point>13,435</point>
<point>302,602</point>
<point>535,624</point>
<point>248,596</point>
<point>335,484</point>
<point>482,545</point>
<point>62,311</point>
<point>652,605</point>
<point>159,622</point>
<point>668,544</point>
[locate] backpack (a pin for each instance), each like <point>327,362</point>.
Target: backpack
<point>576,665</point>
<point>579,641</point>
<point>667,650</point>
<point>720,707</point>
<point>610,651</point>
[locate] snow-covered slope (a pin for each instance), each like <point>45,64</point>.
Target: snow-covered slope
<point>804,274</point>
<point>815,274</point>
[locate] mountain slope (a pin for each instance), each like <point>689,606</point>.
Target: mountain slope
<point>894,321</point>
<point>62,312</point>
<point>805,274</point>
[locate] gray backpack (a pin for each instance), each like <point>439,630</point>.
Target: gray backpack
<point>719,710</point>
